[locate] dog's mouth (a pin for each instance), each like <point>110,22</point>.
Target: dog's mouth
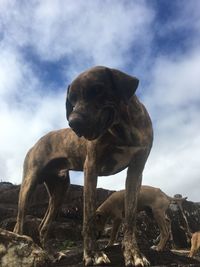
<point>84,127</point>
<point>106,119</point>
<point>85,132</point>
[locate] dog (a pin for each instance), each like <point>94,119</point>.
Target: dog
<point>45,163</point>
<point>110,131</point>
<point>195,243</point>
<point>149,197</point>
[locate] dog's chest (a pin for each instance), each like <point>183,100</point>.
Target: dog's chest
<point>114,160</point>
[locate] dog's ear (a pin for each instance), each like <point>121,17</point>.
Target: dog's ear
<point>124,84</point>
<point>68,105</point>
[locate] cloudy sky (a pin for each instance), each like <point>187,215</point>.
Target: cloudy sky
<point>45,44</point>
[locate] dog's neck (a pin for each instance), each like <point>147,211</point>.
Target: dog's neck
<point>122,129</point>
<point>105,213</point>
<point>122,136</point>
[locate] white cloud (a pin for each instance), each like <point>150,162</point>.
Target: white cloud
<point>173,100</point>
<point>20,129</point>
<point>81,34</point>
<point>100,32</point>
<point>175,169</point>
<point>9,65</point>
<point>176,81</point>
<point>25,113</point>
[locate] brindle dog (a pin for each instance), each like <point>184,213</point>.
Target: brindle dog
<point>111,130</point>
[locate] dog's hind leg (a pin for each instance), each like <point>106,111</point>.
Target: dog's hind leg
<point>168,222</point>
<point>56,187</point>
<point>194,245</point>
<point>163,225</point>
<point>27,187</point>
<point>46,213</point>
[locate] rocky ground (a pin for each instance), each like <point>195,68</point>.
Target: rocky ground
<point>65,240</point>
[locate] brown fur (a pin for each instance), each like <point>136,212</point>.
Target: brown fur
<point>114,132</point>
<point>195,244</point>
<point>151,197</point>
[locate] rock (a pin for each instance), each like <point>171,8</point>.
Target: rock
<point>68,230</point>
<point>16,250</point>
<point>73,258</point>
<point>30,226</point>
<point>67,226</point>
<point>72,205</point>
<point>7,211</point>
<point>5,185</point>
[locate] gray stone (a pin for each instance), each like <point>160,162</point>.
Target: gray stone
<point>16,250</point>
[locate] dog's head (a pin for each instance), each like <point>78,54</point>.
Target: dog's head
<point>100,221</point>
<point>93,100</point>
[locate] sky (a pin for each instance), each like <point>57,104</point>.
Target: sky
<point>45,44</point>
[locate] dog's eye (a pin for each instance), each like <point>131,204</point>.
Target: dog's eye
<point>72,98</point>
<point>95,91</point>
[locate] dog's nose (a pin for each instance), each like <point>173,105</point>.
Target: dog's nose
<point>77,126</point>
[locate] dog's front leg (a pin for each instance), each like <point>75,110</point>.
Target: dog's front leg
<point>114,232</point>
<point>91,255</point>
<point>132,254</point>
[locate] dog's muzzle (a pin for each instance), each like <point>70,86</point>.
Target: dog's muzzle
<point>89,127</point>
<point>78,125</point>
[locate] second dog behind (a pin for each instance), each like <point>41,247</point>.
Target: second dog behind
<point>149,197</point>
<point>195,243</point>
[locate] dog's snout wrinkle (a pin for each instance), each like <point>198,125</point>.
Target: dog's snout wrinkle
<point>77,125</point>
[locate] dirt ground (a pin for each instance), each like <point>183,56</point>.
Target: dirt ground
<point>176,258</point>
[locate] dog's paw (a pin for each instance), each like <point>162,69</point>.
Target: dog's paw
<point>99,258</point>
<point>142,261</point>
<point>133,258</point>
<point>156,248</point>
<point>137,261</point>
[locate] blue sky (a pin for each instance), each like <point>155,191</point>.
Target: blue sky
<point>45,44</point>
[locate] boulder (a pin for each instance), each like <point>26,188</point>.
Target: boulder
<point>72,209</point>
<point>16,250</point>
